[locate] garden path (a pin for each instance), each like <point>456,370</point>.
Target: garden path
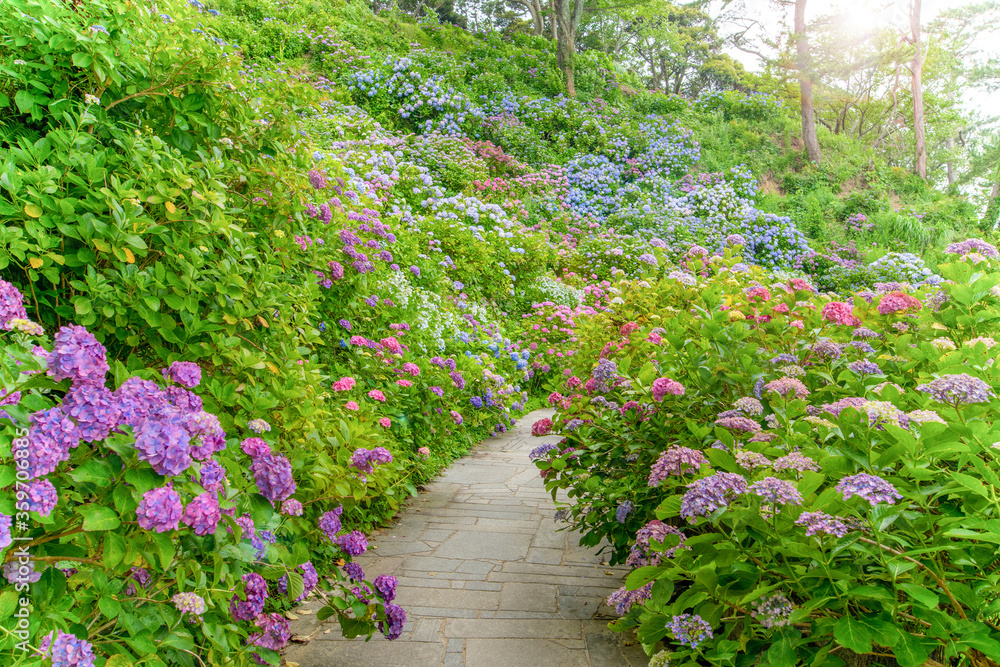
<point>484,577</point>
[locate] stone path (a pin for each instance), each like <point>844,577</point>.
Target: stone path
<point>484,577</point>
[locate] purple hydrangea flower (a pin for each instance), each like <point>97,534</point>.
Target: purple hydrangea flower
<point>737,423</point>
<point>354,572</point>
<point>795,461</point>
<point>385,587</point>
<point>329,523</point>
<point>255,448</point>
<point>776,491</point>
<point>137,398</point>
<point>274,633</point>
<point>309,580</point>
<point>872,488</point>
<point>6,539</point>
<point>623,510</point>
<point>51,435</point>
<point>207,436</point>
<point>273,475</point>
<point>787,387</point>
<point>353,543</point>
<point>183,400</point>
<point>865,367</point>
<point>184,373</point>
<point>642,552</point>
<point>95,410</point>
<point>395,619</point>
<point>202,514</point>
<point>291,507</point>
<point>11,304</point>
<point>960,388</point>
<point>623,599</point>
<point>258,425</point>
<point>689,629</point>
<point>67,650</point>
<point>164,443</point>
<point>457,380</point>
<point>137,576</point>
<point>676,461</point>
<point>42,496</point>
<point>256,594</point>
<point>709,494</point>
<point>821,523</point>
<point>77,356</point>
<point>213,476</point>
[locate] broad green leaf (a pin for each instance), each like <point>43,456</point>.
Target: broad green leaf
<point>852,634</point>
<point>909,651</point>
<point>98,517</point>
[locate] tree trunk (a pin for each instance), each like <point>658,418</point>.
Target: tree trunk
<point>806,85</point>
<point>553,23</point>
<point>916,67</point>
<point>566,43</point>
<point>989,221</point>
<point>952,174</point>
<point>537,18</point>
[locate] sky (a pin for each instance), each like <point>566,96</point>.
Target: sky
<point>866,15</point>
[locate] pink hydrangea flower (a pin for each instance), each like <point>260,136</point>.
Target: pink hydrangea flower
<point>404,383</point>
<point>351,405</point>
<point>385,422</point>
<point>839,312</point>
<point>377,395</point>
<point>344,384</point>
<point>424,451</point>
<point>541,427</point>
<point>664,386</point>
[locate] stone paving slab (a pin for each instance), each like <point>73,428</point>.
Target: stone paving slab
<point>485,578</point>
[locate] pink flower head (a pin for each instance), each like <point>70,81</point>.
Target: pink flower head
<point>404,383</point>
<point>344,384</point>
<point>351,405</point>
<point>628,328</point>
<point>839,312</point>
<point>758,293</point>
<point>411,369</point>
<point>424,451</point>
<point>377,395</point>
<point>541,427</point>
<point>797,324</point>
<point>898,302</point>
<point>664,386</point>
<point>555,397</point>
<point>781,308</point>
<point>392,345</point>
<point>385,422</point>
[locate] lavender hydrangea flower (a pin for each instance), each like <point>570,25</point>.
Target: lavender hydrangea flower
<point>689,629</point>
<point>865,367</point>
<point>354,572</point>
<point>255,448</point>
<point>184,373</point>
<point>821,523</point>
<point>256,594</point>
<point>202,514</point>
<point>273,475</point>
<point>258,425</point>
<point>709,494</point>
<point>6,539</point>
<point>353,543</point>
<point>51,434</point>
<point>623,510</point>
<point>385,587</point>
<point>309,580</point>
<point>291,507</point>
<point>163,442</point>
<point>960,388</point>
<point>787,387</point>
<point>207,436</point>
<point>773,611</point>
<point>365,460</point>
<point>777,491</point>
<point>183,400</point>
<point>795,461</point>
<point>42,496</point>
<point>137,398</point>
<point>77,356</point>
<point>541,450</point>
<point>11,304</point>
<point>676,461</point>
<point>329,523</point>
<point>623,599</point>
<point>274,633</point>
<point>213,476</point>
<point>392,625</point>
<point>67,650</point>
<point>741,424</point>
<point>749,405</point>
<point>190,604</point>
<point>137,576</point>
<point>750,460</point>
<point>872,488</point>
<point>94,409</point>
<point>642,552</point>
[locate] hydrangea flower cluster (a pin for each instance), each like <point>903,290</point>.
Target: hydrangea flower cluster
<point>676,461</point>
<point>689,629</point>
<point>706,495</point>
<point>872,488</point>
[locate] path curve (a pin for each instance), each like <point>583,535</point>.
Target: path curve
<point>484,577</point>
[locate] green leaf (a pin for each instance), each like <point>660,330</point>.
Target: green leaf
<point>8,604</point>
<point>909,651</point>
<point>114,549</point>
<point>852,634</point>
<point>782,654</point>
<point>640,577</point>
<point>96,471</point>
<point>325,613</point>
<point>922,595</point>
<point>971,483</point>
<point>98,517</point>
<point>296,586</point>
<point>82,59</point>
<point>24,100</point>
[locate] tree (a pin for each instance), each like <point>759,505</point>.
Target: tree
<point>806,84</point>
<point>916,70</point>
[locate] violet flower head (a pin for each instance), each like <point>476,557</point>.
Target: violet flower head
<point>872,488</point>
<point>274,633</point>
<point>704,496</point>
<point>959,388</point>
<point>255,448</point>
<point>392,625</point>
<point>773,611</point>
<point>291,507</point>
<point>137,398</point>
<point>819,523</point>
<point>77,356</point>
<point>776,491</point>
<point>94,409</point>
<point>42,496</point>
<point>795,461</point>
<point>741,424</point>
<point>623,599</point>
<point>256,593</point>
<point>185,373</point>
<point>273,475</point>
<point>354,572</point>
<point>689,630</point>
<point>664,386</point>
<point>202,514</point>
<point>207,436</point>
<point>163,442</point>
<point>787,387</point>
<point>353,543</point>
<point>309,580</point>
<point>642,552</point>
<point>676,461</point>
<point>385,587</point>
<point>51,435</point>
<point>11,304</point>
<point>330,524</point>
<point>67,650</point>
<point>212,476</point>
